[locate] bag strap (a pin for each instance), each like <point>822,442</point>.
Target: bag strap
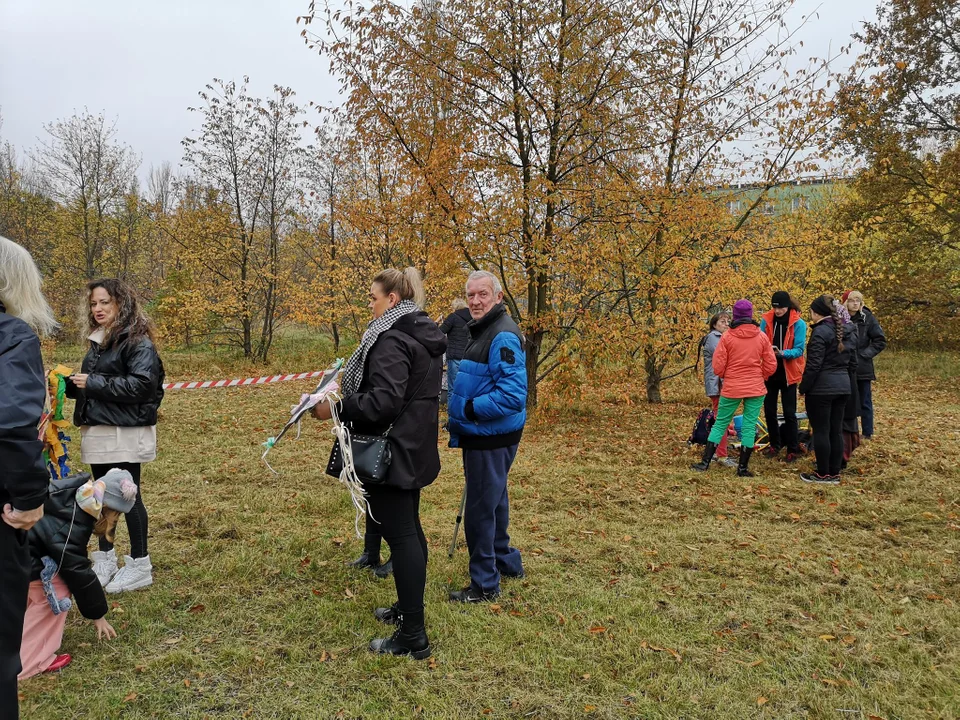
<point>412,398</point>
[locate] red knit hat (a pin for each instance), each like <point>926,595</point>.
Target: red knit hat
<point>846,294</point>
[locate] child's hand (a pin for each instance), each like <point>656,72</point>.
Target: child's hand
<point>104,629</point>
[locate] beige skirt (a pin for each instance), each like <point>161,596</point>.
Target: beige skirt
<point>103,444</point>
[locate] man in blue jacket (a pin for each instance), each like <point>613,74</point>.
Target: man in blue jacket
<point>487,408</point>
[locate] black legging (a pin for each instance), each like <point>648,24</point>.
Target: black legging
<point>777,385</point>
<point>825,413</point>
<point>136,518</point>
<point>397,515</point>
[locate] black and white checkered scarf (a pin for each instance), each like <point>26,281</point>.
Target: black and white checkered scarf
<point>353,371</point>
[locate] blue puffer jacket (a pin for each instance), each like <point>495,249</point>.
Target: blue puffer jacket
<point>487,404</point>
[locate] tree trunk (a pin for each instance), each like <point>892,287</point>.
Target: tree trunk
<point>654,374</point>
<point>533,341</point>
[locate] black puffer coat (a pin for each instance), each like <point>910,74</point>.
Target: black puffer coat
<point>124,388</point>
<point>454,326</point>
<point>23,475</point>
<point>870,342</point>
<point>828,371</point>
<point>63,532</point>
<point>403,356</point>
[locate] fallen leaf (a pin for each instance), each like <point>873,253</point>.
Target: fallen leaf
<point>173,640</point>
<point>432,664</point>
<point>198,608</point>
<point>186,682</point>
<point>761,700</point>
<point>495,609</point>
<point>289,683</point>
<point>598,629</point>
<point>827,638</point>
<point>131,697</point>
<point>348,593</point>
<point>589,708</point>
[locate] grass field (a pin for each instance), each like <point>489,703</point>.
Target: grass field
<point>651,591</point>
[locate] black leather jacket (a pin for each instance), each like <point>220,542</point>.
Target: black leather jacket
<point>23,475</point>
<point>63,532</point>
<point>124,387</point>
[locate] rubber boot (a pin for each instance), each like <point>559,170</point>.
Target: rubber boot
<point>745,454</point>
<point>383,572</point>
<point>410,638</point>
<point>704,463</point>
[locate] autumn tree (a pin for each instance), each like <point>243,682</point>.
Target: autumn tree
<point>499,109</point>
<point>248,151</point>
<point>900,111</point>
<point>89,173</point>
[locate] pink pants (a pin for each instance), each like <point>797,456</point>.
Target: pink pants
<point>42,630</point>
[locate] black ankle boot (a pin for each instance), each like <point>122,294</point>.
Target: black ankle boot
<point>745,454</point>
<point>390,615</point>
<point>409,639</point>
<point>366,560</point>
<point>704,463</point>
<point>383,572</point>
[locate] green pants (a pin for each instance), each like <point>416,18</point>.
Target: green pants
<point>725,412</point>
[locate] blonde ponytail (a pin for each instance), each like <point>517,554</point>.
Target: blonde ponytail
<point>407,284</point>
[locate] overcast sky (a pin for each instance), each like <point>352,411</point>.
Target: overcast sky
<point>142,64</point>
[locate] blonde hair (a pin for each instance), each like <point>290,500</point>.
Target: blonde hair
<point>106,524</point>
<point>407,284</point>
<point>854,295</point>
<point>20,288</point>
<point>459,304</point>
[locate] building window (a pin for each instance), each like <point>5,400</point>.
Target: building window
<point>799,203</point>
<point>733,206</point>
<point>769,208</point>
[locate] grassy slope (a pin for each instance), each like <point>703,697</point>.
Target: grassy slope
<point>651,592</point>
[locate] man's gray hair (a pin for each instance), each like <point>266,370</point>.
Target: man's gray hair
<point>484,275</point>
<point>20,283</point>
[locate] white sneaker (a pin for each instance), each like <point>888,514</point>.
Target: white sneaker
<point>105,565</point>
<point>135,574</point>
<point>727,461</point>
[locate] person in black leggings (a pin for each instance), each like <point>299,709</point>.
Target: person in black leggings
<point>118,391</point>
<point>391,385</point>
<point>831,353</point>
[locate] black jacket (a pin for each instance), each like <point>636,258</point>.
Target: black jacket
<point>63,532</point>
<point>23,474</point>
<point>870,342</point>
<point>402,357</point>
<point>454,326</point>
<point>124,387</point>
<point>828,371</point>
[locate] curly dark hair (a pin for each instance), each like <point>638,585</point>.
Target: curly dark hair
<point>131,321</point>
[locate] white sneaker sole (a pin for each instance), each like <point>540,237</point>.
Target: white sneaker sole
<point>146,582</point>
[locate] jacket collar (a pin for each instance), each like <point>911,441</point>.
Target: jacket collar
<point>97,336</point>
<point>481,324</point>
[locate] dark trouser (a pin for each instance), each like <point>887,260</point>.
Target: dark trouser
<point>777,384</point>
<point>865,388</point>
<point>397,515</point>
<point>14,583</point>
<point>371,538</point>
<point>136,518</point>
<point>487,516</point>
<point>825,413</point>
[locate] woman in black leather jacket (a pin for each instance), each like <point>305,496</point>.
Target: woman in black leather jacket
<point>118,391</point>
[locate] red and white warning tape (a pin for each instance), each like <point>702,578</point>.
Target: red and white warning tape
<point>244,381</point>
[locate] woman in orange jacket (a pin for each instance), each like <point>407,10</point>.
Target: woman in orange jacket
<point>787,332</point>
<point>744,359</point>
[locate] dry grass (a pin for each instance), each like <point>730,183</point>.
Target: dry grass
<point>651,592</point>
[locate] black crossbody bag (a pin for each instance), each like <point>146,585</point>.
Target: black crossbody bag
<point>371,453</point>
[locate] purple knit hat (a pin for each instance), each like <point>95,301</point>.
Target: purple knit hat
<point>742,309</point>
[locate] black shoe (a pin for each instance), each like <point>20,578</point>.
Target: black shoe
<point>471,595</point>
<point>513,576</point>
<point>390,615</point>
<point>383,571</point>
<point>742,470</point>
<point>817,479</point>
<point>366,560</point>
<point>704,463</point>
<point>410,638</point>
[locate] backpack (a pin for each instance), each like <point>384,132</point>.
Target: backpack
<point>702,427</point>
